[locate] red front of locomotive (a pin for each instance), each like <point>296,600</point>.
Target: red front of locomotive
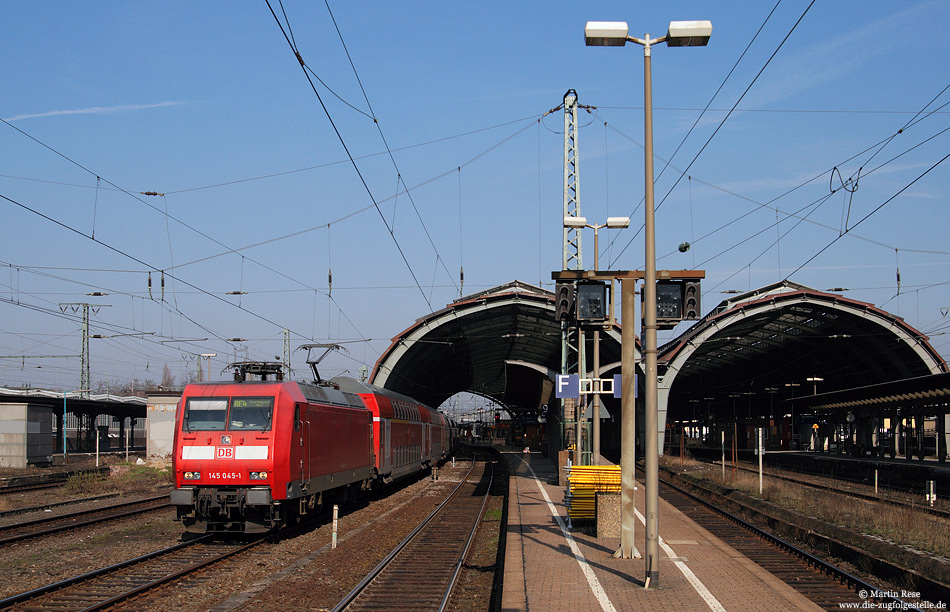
<point>249,456</point>
<point>228,469</point>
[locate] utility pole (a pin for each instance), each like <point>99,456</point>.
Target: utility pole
<point>84,357</point>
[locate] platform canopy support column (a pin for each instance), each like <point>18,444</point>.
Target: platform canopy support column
<point>942,439</point>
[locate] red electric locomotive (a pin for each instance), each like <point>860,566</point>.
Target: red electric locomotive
<point>250,456</point>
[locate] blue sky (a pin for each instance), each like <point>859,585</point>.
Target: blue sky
<point>206,104</point>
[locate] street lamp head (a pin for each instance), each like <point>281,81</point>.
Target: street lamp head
<point>618,222</point>
<point>688,33</point>
<point>606,33</point>
<point>575,222</point>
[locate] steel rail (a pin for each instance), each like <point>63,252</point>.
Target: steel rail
<point>814,472</point>
<point>18,484</point>
<point>468,544</point>
<point>71,502</point>
<point>21,488</point>
<point>56,586</point>
<point>359,588</point>
<point>855,583</point>
<point>16,537</point>
<point>149,586</point>
<point>854,494</point>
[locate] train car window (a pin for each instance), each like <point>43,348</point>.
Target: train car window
<point>297,417</point>
<point>205,414</point>
<point>251,413</point>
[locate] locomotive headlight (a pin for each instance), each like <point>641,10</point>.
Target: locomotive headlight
<point>192,475</point>
<point>259,475</point>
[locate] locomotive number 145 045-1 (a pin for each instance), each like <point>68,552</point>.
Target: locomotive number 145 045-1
<point>224,475</point>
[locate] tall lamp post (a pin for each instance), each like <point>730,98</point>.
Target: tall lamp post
<point>613,223</point>
<point>680,34</point>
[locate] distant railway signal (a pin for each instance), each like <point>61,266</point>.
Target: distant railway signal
<point>564,302</point>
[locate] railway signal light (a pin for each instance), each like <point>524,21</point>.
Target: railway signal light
<point>564,302</point>
<point>669,304</point>
<point>591,302</point>
<point>677,300</point>
<point>691,307</point>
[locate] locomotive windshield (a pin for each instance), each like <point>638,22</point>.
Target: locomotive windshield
<point>205,413</point>
<point>211,414</point>
<point>251,413</point>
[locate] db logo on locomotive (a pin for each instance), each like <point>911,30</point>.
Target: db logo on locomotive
<point>224,452</point>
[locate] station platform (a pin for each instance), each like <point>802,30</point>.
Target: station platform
<point>550,568</point>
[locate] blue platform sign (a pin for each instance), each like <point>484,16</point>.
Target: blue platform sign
<point>568,385</point>
<point>618,385</point>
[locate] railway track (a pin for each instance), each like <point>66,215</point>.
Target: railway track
<point>420,573</point>
<point>26,530</point>
<point>25,488</point>
<point>50,506</point>
<point>838,468</point>
<point>850,492</point>
<point>26,484</point>
<point>826,585</point>
<point>106,588</point>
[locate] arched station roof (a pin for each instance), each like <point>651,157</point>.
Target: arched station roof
<point>502,343</point>
<point>785,340</point>
<point>746,358</point>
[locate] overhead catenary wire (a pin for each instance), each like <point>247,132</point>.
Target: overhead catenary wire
<point>155,341</point>
<point>136,197</point>
<point>392,158</point>
<point>353,163</point>
<point>871,213</point>
<point>342,280</point>
<point>769,204</point>
<point>165,213</point>
<point>143,263</point>
<point>918,117</point>
<point>453,137</point>
<point>695,123</point>
<point>724,119</point>
<point>371,206</point>
<point>849,185</point>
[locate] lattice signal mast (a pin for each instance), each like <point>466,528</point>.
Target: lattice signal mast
<point>572,339</point>
<point>571,259</point>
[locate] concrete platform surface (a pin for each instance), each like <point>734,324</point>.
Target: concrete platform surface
<point>549,568</point>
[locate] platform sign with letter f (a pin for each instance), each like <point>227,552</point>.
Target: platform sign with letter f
<point>568,385</point>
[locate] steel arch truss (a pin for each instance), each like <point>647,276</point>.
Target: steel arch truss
<point>787,340</point>
<point>503,343</point>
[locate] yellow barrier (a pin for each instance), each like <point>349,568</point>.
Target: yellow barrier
<point>584,482</point>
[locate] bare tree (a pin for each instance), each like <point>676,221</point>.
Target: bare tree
<point>188,377</point>
<point>168,381</point>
